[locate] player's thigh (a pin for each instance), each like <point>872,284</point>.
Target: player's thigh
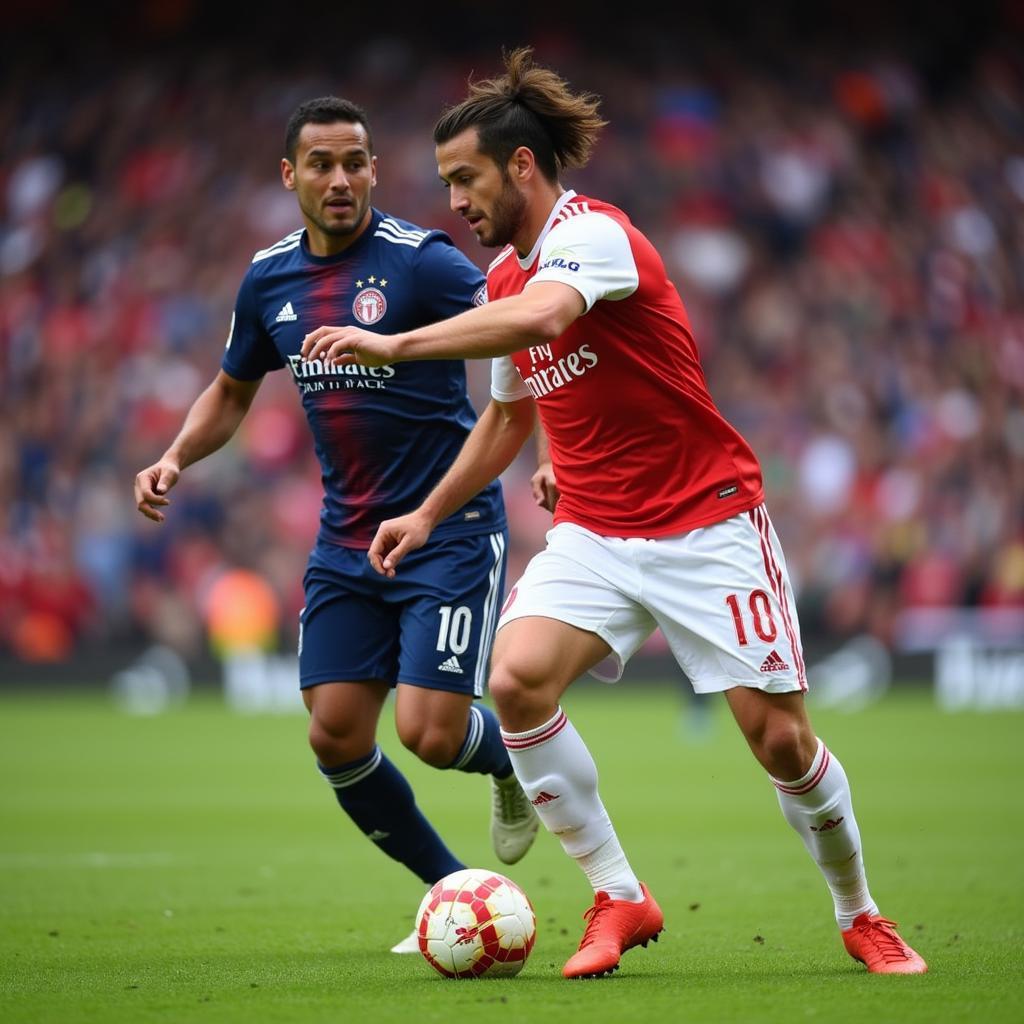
<point>581,596</point>
<point>449,601</point>
<point>723,600</point>
<point>541,656</point>
<point>536,658</point>
<point>348,632</point>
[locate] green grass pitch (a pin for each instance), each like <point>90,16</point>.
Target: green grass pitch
<point>193,867</point>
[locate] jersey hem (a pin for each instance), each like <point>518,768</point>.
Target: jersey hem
<point>438,534</point>
<point>682,526</point>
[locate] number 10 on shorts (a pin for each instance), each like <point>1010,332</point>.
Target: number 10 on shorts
<point>760,606</point>
<point>456,626</point>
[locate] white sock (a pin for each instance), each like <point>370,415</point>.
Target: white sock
<point>559,776</point>
<point>820,809</point>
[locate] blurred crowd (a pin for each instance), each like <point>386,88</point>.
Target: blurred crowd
<point>846,229</point>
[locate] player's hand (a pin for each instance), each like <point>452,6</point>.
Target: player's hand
<point>339,346</point>
<point>151,487</point>
<point>545,489</point>
<point>395,539</point>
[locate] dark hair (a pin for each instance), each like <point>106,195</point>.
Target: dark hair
<point>323,110</point>
<point>527,106</point>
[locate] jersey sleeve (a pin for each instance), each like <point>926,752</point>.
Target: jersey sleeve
<point>506,384</point>
<point>446,279</point>
<point>250,351</point>
<point>591,253</point>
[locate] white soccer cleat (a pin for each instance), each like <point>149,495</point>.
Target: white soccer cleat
<point>514,822</point>
<point>410,944</point>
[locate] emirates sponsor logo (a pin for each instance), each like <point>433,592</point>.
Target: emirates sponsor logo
<point>311,375</point>
<point>543,380</point>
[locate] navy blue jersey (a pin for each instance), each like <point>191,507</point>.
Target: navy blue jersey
<point>386,435</point>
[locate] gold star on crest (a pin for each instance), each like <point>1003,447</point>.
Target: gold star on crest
<point>372,279</point>
<point>359,284</point>
<point>383,282</point>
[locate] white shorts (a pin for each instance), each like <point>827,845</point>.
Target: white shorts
<point>720,594</point>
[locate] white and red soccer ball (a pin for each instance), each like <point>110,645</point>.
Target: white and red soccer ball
<point>474,923</point>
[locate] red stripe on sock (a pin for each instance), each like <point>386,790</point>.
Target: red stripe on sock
<point>520,741</point>
<point>807,786</point>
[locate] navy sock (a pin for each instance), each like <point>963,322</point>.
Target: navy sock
<point>483,750</point>
<point>377,797</point>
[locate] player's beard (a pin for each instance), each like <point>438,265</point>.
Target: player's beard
<point>359,209</point>
<point>508,215</point>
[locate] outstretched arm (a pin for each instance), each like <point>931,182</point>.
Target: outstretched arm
<point>488,451</point>
<point>540,313</point>
<point>209,424</point>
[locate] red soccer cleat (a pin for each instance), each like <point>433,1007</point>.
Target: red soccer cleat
<point>874,941</point>
<point>613,926</point>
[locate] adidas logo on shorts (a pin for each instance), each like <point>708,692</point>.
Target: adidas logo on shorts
<point>451,665</point>
<point>774,663</point>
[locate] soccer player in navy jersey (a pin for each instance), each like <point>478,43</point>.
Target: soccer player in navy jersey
<point>385,436</point>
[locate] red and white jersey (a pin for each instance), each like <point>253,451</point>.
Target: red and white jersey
<point>638,447</point>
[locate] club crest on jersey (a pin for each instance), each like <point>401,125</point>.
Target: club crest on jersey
<point>369,305</point>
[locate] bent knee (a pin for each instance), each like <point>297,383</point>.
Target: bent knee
<point>334,746</point>
<point>434,746</point>
<point>508,687</point>
<point>520,699</point>
<point>503,684</point>
<point>785,747</point>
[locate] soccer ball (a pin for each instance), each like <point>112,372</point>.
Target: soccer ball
<point>474,923</point>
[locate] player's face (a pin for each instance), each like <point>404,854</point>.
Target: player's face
<point>332,178</point>
<point>481,192</point>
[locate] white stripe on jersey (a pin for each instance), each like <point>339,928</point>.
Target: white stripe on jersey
<point>290,237</point>
<point>394,240</point>
<point>501,257</point>
<point>390,222</point>
<point>284,245</point>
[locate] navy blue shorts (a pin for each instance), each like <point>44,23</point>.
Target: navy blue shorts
<point>432,625</point>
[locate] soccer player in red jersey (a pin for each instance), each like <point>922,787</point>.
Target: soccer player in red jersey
<point>661,519</point>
